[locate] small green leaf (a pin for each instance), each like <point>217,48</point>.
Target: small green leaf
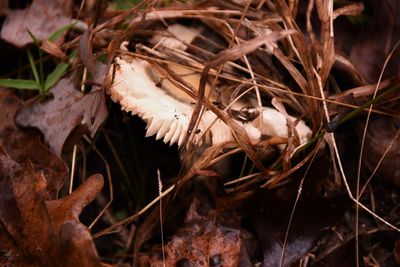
<point>55,75</point>
<point>20,84</point>
<point>58,33</point>
<point>33,66</point>
<point>34,38</point>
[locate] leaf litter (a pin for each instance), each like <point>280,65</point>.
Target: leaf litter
<point>53,16</point>
<point>274,200</point>
<point>67,109</point>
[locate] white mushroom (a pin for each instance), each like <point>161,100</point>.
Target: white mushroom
<point>168,117</point>
<point>167,109</point>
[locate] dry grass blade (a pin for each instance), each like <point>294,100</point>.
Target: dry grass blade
<point>244,57</point>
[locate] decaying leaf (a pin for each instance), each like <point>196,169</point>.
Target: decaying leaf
<point>42,18</point>
<point>68,108</point>
<point>207,238</point>
<point>22,146</point>
<point>37,232</point>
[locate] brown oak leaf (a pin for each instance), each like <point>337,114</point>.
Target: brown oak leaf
<point>42,18</point>
<point>36,232</point>
<point>22,146</point>
<point>69,108</point>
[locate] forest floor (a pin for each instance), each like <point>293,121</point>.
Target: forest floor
<point>199,133</point>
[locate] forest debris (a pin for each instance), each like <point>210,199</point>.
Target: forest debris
<point>42,18</point>
<point>33,231</point>
<point>96,68</point>
<point>54,50</point>
<point>382,153</point>
<point>24,146</point>
<point>269,214</point>
<point>37,232</point>
<point>207,238</point>
<point>370,42</point>
<point>68,108</point>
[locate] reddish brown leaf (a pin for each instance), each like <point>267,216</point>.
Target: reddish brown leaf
<point>349,10</point>
<point>36,232</point>
<point>25,146</point>
<point>8,167</point>
<point>54,50</point>
<point>97,69</point>
<point>68,208</point>
<point>42,18</point>
<point>78,246</point>
<point>207,238</point>
<point>68,109</point>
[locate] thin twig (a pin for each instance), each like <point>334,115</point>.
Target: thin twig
<point>299,191</point>
<point>111,196</point>
<point>160,186</point>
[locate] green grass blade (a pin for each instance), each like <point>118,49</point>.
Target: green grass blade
<point>33,66</point>
<point>59,32</point>
<point>20,84</point>
<point>55,75</point>
<point>367,104</point>
<point>34,38</point>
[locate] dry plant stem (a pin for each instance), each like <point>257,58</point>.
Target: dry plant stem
<point>332,137</point>
<point>73,163</point>
<point>300,189</point>
<point>125,235</point>
<point>362,146</point>
<point>135,216</point>
<point>111,196</point>
<point>250,70</point>
<point>280,90</point>
<point>225,155</point>
<point>275,182</point>
<point>225,110</point>
<point>160,187</point>
<point>369,115</point>
<point>379,163</point>
<point>372,196</point>
<point>241,179</point>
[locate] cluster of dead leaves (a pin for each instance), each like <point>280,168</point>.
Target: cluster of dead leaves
<point>36,228</point>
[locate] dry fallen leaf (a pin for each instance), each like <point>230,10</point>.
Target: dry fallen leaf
<point>68,108</point>
<point>36,232</point>
<point>207,238</point>
<point>22,146</point>
<point>42,18</point>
